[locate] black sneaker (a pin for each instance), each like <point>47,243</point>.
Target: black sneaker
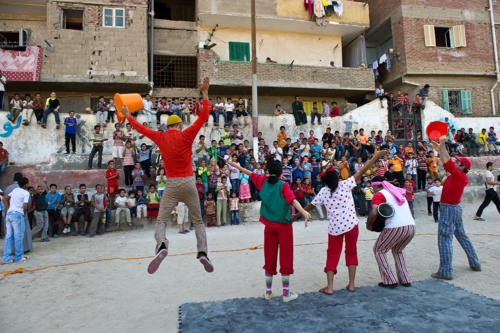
<point>390,286</point>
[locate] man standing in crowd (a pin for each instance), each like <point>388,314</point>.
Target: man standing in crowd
<point>97,147</point>
<point>491,194</point>
<point>17,203</point>
<point>450,213</point>
<point>4,159</point>
<point>3,83</point>
<point>180,183</point>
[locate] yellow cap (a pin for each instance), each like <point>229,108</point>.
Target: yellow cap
<point>173,119</point>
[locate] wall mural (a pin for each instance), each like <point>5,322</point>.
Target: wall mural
<point>9,128</point>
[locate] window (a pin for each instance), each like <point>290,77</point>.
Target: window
<point>239,51</point>
<point>113,18</point>
<point>10,38</point>
<point>175,72</point>
<point>456,101</point>
<point>175,10</point>
<point>451,37</point>
<point>72,19</point>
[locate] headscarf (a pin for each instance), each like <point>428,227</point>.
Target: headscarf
<point>398,193</point>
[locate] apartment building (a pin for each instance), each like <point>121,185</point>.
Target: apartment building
<point>447,44</point>
<point>81,49</point>
<point>97,47</point>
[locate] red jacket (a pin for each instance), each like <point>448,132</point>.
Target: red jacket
<point>175,146</point>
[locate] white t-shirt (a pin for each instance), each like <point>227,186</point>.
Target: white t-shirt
<point>237,141</point>
<point>131,201</point>
<point>121,202</point>
<point>16,103</point>
<point>2,86</point>
<point>229,107</point>
<point>235,173</point>
<point>339,207</point>
<point>489,174</point>
<point>436,193</point>
<point>147,105</point>
<point>18,197</point>
<point>411,166</point>
<point>277,152</point>
<point>219,106</point>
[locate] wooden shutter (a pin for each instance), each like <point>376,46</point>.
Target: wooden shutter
<point>465,101</point>
<point>239,51</point>
<point>459,36</point>
<point>429,36</point>
<point>444,100</point>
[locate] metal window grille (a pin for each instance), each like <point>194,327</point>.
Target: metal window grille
<point>175,72</point>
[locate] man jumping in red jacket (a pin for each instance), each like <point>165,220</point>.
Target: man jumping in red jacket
<point>175,146</point>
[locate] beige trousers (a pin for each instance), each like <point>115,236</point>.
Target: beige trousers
<point>180,189</point>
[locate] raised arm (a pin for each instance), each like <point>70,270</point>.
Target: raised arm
<point>237,166</point>
<point>441,147</point>
<point>192,130</point>
<point>375,158</point>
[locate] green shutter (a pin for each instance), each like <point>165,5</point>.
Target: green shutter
<point>465,101</point>
<point>498,100</point>
<point>239,51</point>
<point>444,100</point>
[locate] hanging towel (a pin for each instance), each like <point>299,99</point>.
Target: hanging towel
<point>382,59</point>
<point>375,64</point>
<point>310,7</point>
<point>319,10</point>
<point>388,64</point>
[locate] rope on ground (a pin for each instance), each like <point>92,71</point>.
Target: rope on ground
<point>21,270</point>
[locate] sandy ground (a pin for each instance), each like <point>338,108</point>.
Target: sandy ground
<point>119,296</point>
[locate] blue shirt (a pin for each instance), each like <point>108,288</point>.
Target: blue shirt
<point>141,200</point>
<point>52,200</point>
<point>307,169</point>
<point>297,173</point>
<point>176,107</point>
<point>315,149</point>
<point>422,92</point>
<point>315,170</point>
<point>70,125</point>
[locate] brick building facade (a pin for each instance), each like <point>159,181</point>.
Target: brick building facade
<point>447,44</point>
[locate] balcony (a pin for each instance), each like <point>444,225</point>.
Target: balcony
<point>284,15</point>
<point>278,78</point>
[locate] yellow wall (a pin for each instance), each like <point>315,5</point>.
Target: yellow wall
<point>283,47</point>
<point>354,12</point>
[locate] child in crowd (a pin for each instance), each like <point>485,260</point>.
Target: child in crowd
<point>307,189</point>
<point>298,191</point>
<point>222,192</point>
<point>111,110</point>
<point>245,194</point>
<point>182,217</point>
<point>53,199</point>
<point>432,165</point>
<point>234,208</point>
<point>132,204</point>
<point>210,210</point>
<point>122,206</point>
<point>16,107</point>
<point>153,203</point>
<point>138,177</point>
<point>436,198</point>
<point>118,138</point>
<point>410,194</point>
<point>287,171</point>
<point>112,176</point>
<point>204,173</point>
<point>161,182</point>
<point>201,193</point>
<point>368,190</point>
<point>428,186</point>
<point>145,159</point>
<point>344,168</point>
<point>99,204</point>
<point>68,209</point>
<point>41,215</point>
<point>142,205</point>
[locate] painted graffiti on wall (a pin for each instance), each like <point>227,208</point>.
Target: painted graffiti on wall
<point>9,128</point>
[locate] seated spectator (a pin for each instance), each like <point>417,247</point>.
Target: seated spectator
<point>242,112</point>
<point>471,143</point>
<point>493,140</point>
<point>4,159</point>
<point>186,111</point>
<point>162,107</point>
<point>334,111</point>
<point>298,112</point>
<point>52,105</point>
<point>27,109</point>
<point>229,107</point>
<point>16,107</point>
<point>68,209</point>
<point>278,111</point>
<point>176,108</point>
<point>38,107</point>
<point>82,209</point>
<point>315,114</point>
<point>122,206</point>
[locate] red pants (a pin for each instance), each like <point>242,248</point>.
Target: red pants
<point>278,234</point>
<point>335,249</point>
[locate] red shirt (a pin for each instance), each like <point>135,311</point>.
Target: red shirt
<point>378,198</point>
<point>286,192</point>
<point>453,186</point>
<point>112,183</point>
<point>334,112</point>
<point>299,194</point>
<point>4,154</point>
<point>201,190</point>
<point>175,146</point>
<point>196,108</point>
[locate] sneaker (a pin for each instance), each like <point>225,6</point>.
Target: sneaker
<point>477,218</point>
<point>476,269</point>
<point>155,263</point>
<point>185,231</point>
<point>290,297</point>
<point>75,233</point>
<point>7,262</point>
<point>206,263</point>
<point>441,277</point>
<point>268,296</point>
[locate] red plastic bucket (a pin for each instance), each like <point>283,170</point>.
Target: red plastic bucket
<point>436,129</point>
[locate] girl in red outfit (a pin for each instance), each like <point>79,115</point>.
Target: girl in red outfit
<point>337,198</point>
<point>276,198</point>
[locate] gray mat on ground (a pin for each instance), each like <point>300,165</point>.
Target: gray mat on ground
<point>427,306</point>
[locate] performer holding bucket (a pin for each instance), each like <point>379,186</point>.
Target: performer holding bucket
<point>175,146</point>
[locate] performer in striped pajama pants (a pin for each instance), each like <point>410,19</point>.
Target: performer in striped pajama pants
<point>398,232</point>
